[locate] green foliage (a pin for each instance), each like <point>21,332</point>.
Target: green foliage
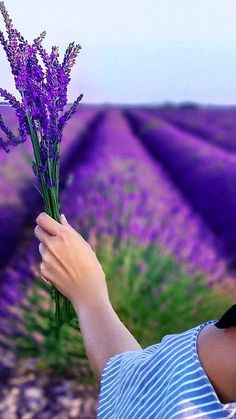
<point>154,295</point>
<point>151,293</point>
<point>59,350</point>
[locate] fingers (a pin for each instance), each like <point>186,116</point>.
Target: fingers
<point>46,228</point>
<point>45,280</point>
<point>42,250</point>
<point>64,220</point>
<point>46,238</point>
<point>65,223</point>
<point>42,276</point>
<point>41,234</point>
<point>50,225</point>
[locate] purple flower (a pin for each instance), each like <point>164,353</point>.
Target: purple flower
<point>43,89</point>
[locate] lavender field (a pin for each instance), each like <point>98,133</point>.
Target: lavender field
<point>154,192</point>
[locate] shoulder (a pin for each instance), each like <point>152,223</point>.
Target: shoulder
<point>216,352</point>
<point>213,342</point>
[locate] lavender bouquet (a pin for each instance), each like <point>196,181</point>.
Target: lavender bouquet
<point>42,113</point>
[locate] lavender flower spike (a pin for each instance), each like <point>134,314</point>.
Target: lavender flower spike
<point>42,81</point>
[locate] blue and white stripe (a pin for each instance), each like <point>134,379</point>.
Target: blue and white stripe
<point>163,381</point>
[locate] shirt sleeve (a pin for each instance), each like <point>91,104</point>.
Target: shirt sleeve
<point>116,376</point>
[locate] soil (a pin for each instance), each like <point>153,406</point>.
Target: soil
<point>27,393</point>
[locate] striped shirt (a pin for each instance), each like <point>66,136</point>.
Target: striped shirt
<point>163,381</point>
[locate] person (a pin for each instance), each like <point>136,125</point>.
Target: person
<point>191,374</point>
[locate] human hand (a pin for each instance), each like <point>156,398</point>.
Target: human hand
<point>69,262</point>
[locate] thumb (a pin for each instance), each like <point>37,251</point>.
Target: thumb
<point>64,220</point>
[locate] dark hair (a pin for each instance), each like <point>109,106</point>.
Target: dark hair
<point>228,319</point>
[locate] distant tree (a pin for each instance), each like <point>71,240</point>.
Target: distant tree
<point>169,105</point>
<point>189,105</point>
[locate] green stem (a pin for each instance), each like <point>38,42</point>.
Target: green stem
<point>63,311</point>
<point>53,197</point>
<point>52,174</point>
<point>57,170</point>
<point>35,144</point>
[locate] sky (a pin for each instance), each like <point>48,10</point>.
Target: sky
<point>138,51</point>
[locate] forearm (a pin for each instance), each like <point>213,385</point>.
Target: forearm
<point>71,265</point>
<point>104,334</point>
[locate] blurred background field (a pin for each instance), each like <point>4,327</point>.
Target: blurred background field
<point>156,200</point>
<point>148,177</point>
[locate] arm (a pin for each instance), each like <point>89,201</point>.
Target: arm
<point>70,264</point>
<point>104,335</point>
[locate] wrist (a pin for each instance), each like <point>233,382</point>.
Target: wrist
<point>94,300</point>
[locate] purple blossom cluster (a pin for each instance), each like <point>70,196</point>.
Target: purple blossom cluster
<point>119,190</point>
<point>42,81</point>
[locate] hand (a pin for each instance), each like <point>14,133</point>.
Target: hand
<point>69,262</point>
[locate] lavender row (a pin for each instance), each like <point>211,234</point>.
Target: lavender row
<point>204,173</point>
<point>118,190</point>
<point>200,123</point>
<point>220,116</point>
<point>121,191</point>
